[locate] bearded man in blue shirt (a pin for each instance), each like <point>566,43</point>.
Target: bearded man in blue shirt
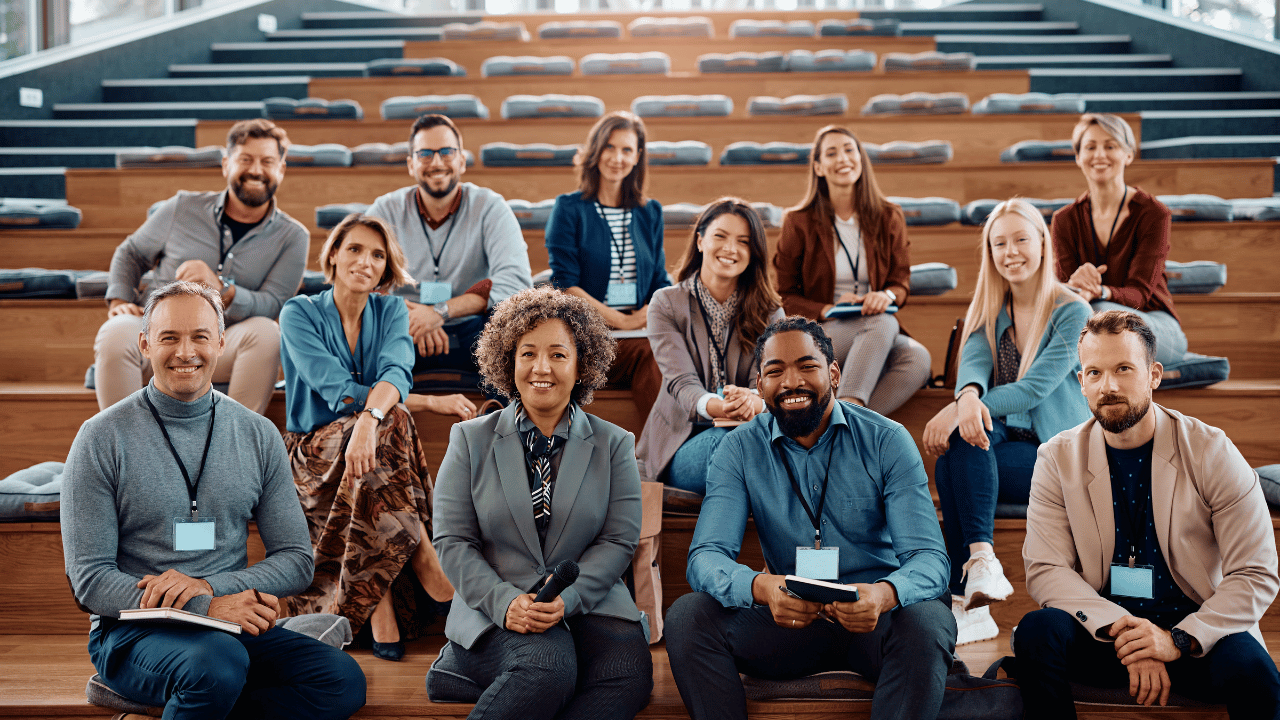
<point>838,493</point>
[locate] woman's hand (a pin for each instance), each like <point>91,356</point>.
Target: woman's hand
<point>619,320</point>
<point>874,303</point>
<point>740,403</point>
<point>362,449</point>
<point>975,420</point>
<point>1087,279</point>
<point>937,433</point>
<point>851,298</point>
<point>526,616</point>
<point>456,404</point>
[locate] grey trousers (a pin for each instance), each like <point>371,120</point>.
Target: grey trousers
<point>908,655</point>
<point>878,365</point>
<point>1171,342</point>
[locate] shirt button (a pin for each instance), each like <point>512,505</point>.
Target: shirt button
<point>815,488</point>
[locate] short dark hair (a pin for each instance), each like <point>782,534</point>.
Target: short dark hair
<point>795,323</point>
<point>257,129</point>
<point>1114,322</point>
<point>431,120</point>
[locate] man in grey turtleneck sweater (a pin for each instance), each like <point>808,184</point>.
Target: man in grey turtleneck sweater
<point>136,473</point>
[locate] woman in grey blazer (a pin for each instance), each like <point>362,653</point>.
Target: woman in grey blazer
<point>525,489</point>
<point>703,331</point>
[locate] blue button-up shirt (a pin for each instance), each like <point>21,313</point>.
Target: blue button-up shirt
<point>878,509</point>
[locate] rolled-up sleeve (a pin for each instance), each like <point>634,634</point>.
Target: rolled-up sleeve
<point>301,339</point>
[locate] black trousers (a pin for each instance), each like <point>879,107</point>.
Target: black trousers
<point>908,655</point>
<point>1054,650</point>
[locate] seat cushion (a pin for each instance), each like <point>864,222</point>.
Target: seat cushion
<point>830,61</point>
<point>901,152</point>
<point>1034,102</point>
<point>332,630</point>
<point>646,63</point>
<point>380,153</point>
<point>501,154</point>
<point>172,156</point>
<point>770,214</point>
<point>770,153</point>
<point>1197,207</point>
<point>685,152</point>
<point>580,29</point>
<point>436,66</point>
<point>681,214</point>
<point>1269,475</point>
<point>771,28</point>
<point>833,685</point>
<point>1256,209</point>
<point>1199,277</point>
<point>507,65</point>
<point>39,283</point>
<point>1039,151</point>
<point>1195,370</point>
<point>32,493</point>
<point>324,155</point>
<point>560,106</point>
<point>930,60</point>
<point>22,213</point>
<point>532,215</point>
<point>928,210</point>
<point>682,106</point>
<point>796,105</point>
<point>976,212</point>
<point>97,693</point>
<point>486,30</point>
<point>917,103</point>
<point>409,107</point>
<point>741,62</point>
<point>933,278</point>
<point>328,216</point>
<point>696,26</point>
<point>862,26</point>
<point>313,283</point>
<point>282,108</point>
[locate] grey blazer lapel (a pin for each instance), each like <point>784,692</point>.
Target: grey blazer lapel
<point>509,454</point>
<point>569,478</point>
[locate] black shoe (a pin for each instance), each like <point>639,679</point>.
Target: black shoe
<point>392,651</point>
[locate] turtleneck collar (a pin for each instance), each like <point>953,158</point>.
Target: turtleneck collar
<point>174,408</point>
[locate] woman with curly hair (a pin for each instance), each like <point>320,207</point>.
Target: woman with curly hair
<point>357,462</point>
<point>703,331</point>
<point>846,245</point>
<point>525,489</point>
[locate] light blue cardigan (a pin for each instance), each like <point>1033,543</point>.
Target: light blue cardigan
<point>1050,390</point>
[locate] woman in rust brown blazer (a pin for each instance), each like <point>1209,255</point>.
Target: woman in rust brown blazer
<point>846,245</point>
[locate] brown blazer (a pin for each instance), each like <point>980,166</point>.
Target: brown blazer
<point>805,261</point>
<point>1210,515</point>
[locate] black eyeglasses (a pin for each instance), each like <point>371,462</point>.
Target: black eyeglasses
<point>445,153</point>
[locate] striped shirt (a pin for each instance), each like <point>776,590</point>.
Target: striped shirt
<point>622,253</point>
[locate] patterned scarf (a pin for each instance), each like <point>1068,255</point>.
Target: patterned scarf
<point>538,453</point>
<point>721,319</point>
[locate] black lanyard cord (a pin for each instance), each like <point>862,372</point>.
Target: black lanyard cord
<point>722,349</point>
<point>431,249</point>
<point>816,519</point>
<point>191,487</point>
<point>1099,256</point>
<point>856,266</point>
<point>618,244</point>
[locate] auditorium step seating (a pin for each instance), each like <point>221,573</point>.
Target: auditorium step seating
<point>349,51</point>
<point>1011,62</point>
<point>1124,102</point>
<point>1207,146</point>
<point>333,69</point>
<point>1036,27</point>
<point>29,182</point>
<point>421,34</point>
<point>71,157</point>
<point>1166,124</point>
<point>93,133</point>
<point>1086,80</point>
<point>1033,44</point>
<point>355,18</point>
<point>237,110</point>
<point>204,89</point>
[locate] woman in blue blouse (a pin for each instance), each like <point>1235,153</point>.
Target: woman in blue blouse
<point>358,465</point>
<point>604,244</point>
<point>1017,386</point>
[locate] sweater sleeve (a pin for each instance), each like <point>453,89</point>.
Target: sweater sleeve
<point>788,265</point>
<point>506,250</point>
<point>395,356</point>
<point>282,280</point>
<point>1055,362</point>
<point>1065,232</point>
<point>139,252</point>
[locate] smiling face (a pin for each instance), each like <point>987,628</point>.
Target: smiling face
<point>1116,379</point>
<point>1017,250</point>
<point>1101,157</point>
<point>438,176</point>
<point>546,368</point>
<point>253,170</point>
<point>725,245</point>
<point>839,160</point>
<point>796,382</point>
<point>359,263</point>
<point>619,156</point>
<point>183,346</point>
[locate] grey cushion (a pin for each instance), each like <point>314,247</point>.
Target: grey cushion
<point>646,63</point>
<point>831,61</point>
<point>976,212</point>
<point>685,152</point>
<point>435,66</point>
<point>501,154</point>
<point>697,26</point>
<point>901,152</point>
<point>829,104</point>
<point>917,103</point>
<point>313,283</point>
<point>681,214</point>
<point>92,285</point>
<point>328,216</point>
<point>172,156</point>
<point>409,107</point>
<point>485,30</point>
<point>929,60</point>
<point>1034,102</point>
<point>39,283</point>
<point>559,106</point>
<point>446,682</point>
<point>933,278</point>
<point>324,155</point>
<point>283,108</point>
<point>24,213</point>
<point>380,153</point>
<point>1197,207</point>
<point>32,493</point>
<point>1039,151</point>
<point>97,693</point>
<point>507,65</point>
<point>332,630</point>
<point>1199,277</point>
<point>928,210</point>
<point>682,106</point>
<point>862,26</point>
<point>771,28</point>
<point>770,153</point>
<point>580,29</point>
<point>532,215</point>
<point>1269,475</point>
<point>1195,370</point>
<point>770,214</point>
<point>1256,209</point>
<point>741,62</point>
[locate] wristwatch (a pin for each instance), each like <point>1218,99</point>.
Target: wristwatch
<point>893,297</point>
<point>376,413</point>
<point>442,308</point>
<point>1182,641</point>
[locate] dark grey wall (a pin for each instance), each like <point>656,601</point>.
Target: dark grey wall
<point>78,80</point>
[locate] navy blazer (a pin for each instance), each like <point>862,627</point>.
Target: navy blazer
<point>485,534</point>
<point>579,251</point>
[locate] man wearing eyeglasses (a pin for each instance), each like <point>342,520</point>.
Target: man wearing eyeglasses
<point>237,242</point>
<point>461,243</point>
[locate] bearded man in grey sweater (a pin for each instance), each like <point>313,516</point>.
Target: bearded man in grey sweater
<point>158,493</point>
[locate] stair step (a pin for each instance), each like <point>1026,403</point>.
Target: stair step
<point>338,69</point>
<point>1165,124</point>
<point>72,157</point>
<point>197,110</point>
<point>350,51</point>
<point>357,19</point>
<point>33,182</point>
<point>963,12</point>
<point>989,28</point>
<point>205,89</point>
<point>1034,44</point>
<point>1213,146</point>
<point>1020,62</point>
<point>416,34</point>
<point>1117,102</point>
<point>67,133</point>
<point>1085,80</point>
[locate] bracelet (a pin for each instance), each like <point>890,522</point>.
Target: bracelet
<point>968,390</point>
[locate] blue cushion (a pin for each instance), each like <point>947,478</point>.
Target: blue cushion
<point>770,153</point>
<point>681,214</point>
<point>795,105</point>
<point>1256,209</point>
<point>558,106</point>
<point>1197,207</point>
<point>1034,102</point>
<point>446,681</point>
<point>1195,370</point>
<point>39,283</point>
<point>501,154</point>
<point>23,213</point>
<point>861,26</point>
<point>1269,475</point>
<point>580,29</point>
<point>409,107</point>
<point>933,278</point>
<point>902,152</point>
<point>928,210</point>
<point>485,30</point>
<point>685,152</point>
<point>929,60</point>
<point>380,153</point>
<point>283,108</point>
<point>831,61</point>
<point>172,156</point>
<point>313,283</point>
<point>324,155</point>
<point>770,214</point>
<point>682,106</point>
<point>741,62</point>
<point>328,216</point>
<point>507,65</point>
<point>1195,278</point>
<point>415,66</point>
<point>1039,151</point>
<point>697,26</point>
<point>532,215</point>
<point>976,212</point>
<point>917,103</point>
<point>771,28</point>
<point>32,494</point>
<point>646,63</point>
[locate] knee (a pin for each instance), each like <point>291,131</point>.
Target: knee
<point>117,339</point>
<point>260,334</point>
<point>916,358</point>
<point>343,686</point>
<point>1245,664</point>
<point>928,623</point>
<point>215,669</point>
<point>691,616</point>
<point>1043,634</point>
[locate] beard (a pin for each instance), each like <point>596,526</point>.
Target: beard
<point>443,193</point>
<point>254,198</point>
<point>1117,424</point>
<point>801,422</point>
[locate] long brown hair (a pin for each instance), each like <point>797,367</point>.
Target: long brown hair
<point>587,160</point>
<point>759,299</point>
<point>870,206</point>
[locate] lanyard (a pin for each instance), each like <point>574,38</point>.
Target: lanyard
<point>431,248</point>
<point>619,244</point>
<point>191,487</point>
<point>722,350</point>
<point>822,499</point>
<point>1099,256</point>
<point>1136,520</point>
<point>852,264</point>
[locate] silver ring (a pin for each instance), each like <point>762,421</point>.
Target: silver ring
<point>793,622</point>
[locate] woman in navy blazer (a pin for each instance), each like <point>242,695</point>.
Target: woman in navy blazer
<point>520,492</point>
<point>604,245</point>
<point>1017,386</point>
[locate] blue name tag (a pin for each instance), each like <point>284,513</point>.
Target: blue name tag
<point>1022,421</point>
<point>432,293</point>
<point>1134,582</point>
<point>622,295</point>
<point>191,534</point>
<point>820,564</point>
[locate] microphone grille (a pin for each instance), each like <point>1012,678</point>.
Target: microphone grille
<point>567,571</point>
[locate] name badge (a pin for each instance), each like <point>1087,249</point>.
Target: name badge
<point>432,293</point>
<point>1022,421</point>
<point>821,564</point>
<point>622,294</point>
<point>195,534</point>
<point>1134,582</point>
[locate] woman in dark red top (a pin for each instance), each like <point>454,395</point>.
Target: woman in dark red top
<point>1112,242</point>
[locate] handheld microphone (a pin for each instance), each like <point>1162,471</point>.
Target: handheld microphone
<point>562,577</point>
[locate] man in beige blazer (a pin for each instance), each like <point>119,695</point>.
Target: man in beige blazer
<point>1149,546</point>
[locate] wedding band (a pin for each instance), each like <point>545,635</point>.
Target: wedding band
<point>793,622</point>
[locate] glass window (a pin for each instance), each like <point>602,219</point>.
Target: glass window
<point>90,18</point>
<point>14,28</point>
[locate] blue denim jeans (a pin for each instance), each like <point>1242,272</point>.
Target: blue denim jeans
<point>688,468</point>
<point>1171,342</point>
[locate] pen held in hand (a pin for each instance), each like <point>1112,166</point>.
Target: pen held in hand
<point>258,597</point>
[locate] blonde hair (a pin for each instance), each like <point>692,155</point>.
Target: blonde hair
<point>992,289</point>
<point>393,275</point>
<point>1114,125</point>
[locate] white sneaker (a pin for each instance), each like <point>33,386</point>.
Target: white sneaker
<point>986,583</point>
<point>972,625</point>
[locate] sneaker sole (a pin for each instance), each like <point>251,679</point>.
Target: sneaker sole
<point>981,599</point>
<point>987,631</point>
